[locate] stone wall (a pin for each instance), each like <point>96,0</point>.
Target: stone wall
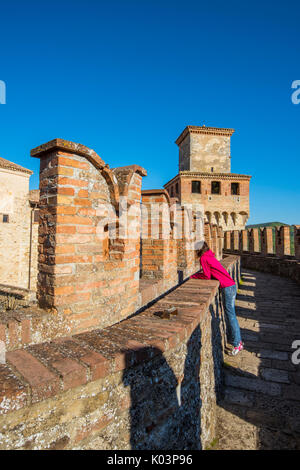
<point>159,255</point>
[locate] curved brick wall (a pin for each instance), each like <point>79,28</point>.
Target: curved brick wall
<point>144,383</point>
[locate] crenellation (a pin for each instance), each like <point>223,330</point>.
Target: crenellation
<point>269,250</point>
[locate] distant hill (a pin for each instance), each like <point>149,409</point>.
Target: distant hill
<point>266,224</point>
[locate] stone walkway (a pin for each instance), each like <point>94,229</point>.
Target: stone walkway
<point>261,406</point>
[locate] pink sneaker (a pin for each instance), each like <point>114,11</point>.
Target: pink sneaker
<point>237,349</point>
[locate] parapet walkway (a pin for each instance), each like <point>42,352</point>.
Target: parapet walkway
<point>261,406</point>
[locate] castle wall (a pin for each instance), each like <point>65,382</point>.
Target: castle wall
<point>14,235</point>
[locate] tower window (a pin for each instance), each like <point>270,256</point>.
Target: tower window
<point>5,218</point>
<point>235,188</point>
<point>212,169</point>
<point>215,187</point>
<point>196,187</point>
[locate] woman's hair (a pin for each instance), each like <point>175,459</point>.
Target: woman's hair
<point>202,250</point>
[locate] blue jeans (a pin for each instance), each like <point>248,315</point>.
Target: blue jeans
<point>229,295</point>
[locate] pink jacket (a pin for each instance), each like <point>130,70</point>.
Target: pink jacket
<point>212,268</point>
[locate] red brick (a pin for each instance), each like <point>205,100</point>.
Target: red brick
<point>66,210</point>
<point>86,229</point>
<point>66,191</point>
<point>65,290</point>
<point>93,428</point>
<point>73,259</point>
<point>74,220</point>
<point>83,193</point>
<point>70,299</point>
<point>86,211</point>
<point>78,201</point>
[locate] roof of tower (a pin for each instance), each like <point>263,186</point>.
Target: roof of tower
<point>13,166</point>
<point>203,130</point>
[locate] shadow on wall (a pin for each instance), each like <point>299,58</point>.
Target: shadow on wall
<point>165,414</point>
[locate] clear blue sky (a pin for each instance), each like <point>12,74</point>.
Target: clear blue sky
<point>125,77</point>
